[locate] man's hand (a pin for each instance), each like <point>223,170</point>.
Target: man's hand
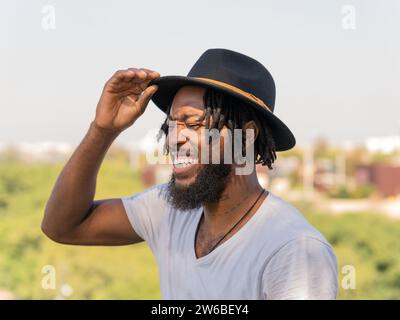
<point>124,99</point>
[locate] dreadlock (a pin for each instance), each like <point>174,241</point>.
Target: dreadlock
<point>225,111</point>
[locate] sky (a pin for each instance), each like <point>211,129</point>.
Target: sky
<point>336,64</point>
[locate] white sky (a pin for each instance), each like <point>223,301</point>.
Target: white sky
<point>343,84</point>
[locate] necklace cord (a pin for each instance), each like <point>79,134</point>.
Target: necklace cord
<point>241,219</point>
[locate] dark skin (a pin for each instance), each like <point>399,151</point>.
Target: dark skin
<point>72,216</point>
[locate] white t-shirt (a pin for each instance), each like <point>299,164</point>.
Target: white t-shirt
<point>277,254</point>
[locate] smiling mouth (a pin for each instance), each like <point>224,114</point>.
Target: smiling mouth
<point>184,164</point>
<point>184,158</point>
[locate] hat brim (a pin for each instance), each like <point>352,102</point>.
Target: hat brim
<point>169,85</point>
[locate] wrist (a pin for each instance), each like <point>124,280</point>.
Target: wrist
<point>104,133</point>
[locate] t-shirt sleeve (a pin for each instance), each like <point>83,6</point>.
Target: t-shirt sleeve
<point>304,268</point>
<point>145,211</point>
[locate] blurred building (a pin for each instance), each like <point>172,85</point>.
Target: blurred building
<point>279,177</point>
<point>155,174</point>
<point>386,178</point>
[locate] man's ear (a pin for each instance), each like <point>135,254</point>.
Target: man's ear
<point>251,125</point>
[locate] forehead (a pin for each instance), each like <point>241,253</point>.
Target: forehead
<point>188,100</point>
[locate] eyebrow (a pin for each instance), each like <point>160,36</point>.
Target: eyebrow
<point>185,116</point>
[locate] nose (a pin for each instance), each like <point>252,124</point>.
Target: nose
<point>176,133</point>
<point>176,137</point>
<point>181,136</point>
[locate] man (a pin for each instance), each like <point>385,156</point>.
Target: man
<point>215,232</point>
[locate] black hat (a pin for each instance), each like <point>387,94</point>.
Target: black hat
<point>237,75</point>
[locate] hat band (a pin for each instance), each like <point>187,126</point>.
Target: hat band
<point>240,91</point>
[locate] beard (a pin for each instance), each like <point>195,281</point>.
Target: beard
<point>208,187</point>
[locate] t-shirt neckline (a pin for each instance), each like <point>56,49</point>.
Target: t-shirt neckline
<point>232,239</point>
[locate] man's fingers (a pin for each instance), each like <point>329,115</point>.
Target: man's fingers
<point>132,87</point>
<point>124,74</point>
<point>134,74</point>
<point>132,80</point>
<point>119,78</point>
<point>151,74</point>
<point>143,75</point>
<point>146,96</point>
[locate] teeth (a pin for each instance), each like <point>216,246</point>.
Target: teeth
<point>183,162</point>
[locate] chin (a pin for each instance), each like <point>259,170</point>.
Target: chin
<point>187,177</point>
<point>185,182</point>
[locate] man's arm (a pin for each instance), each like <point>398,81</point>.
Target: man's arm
<point>71,215</point>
